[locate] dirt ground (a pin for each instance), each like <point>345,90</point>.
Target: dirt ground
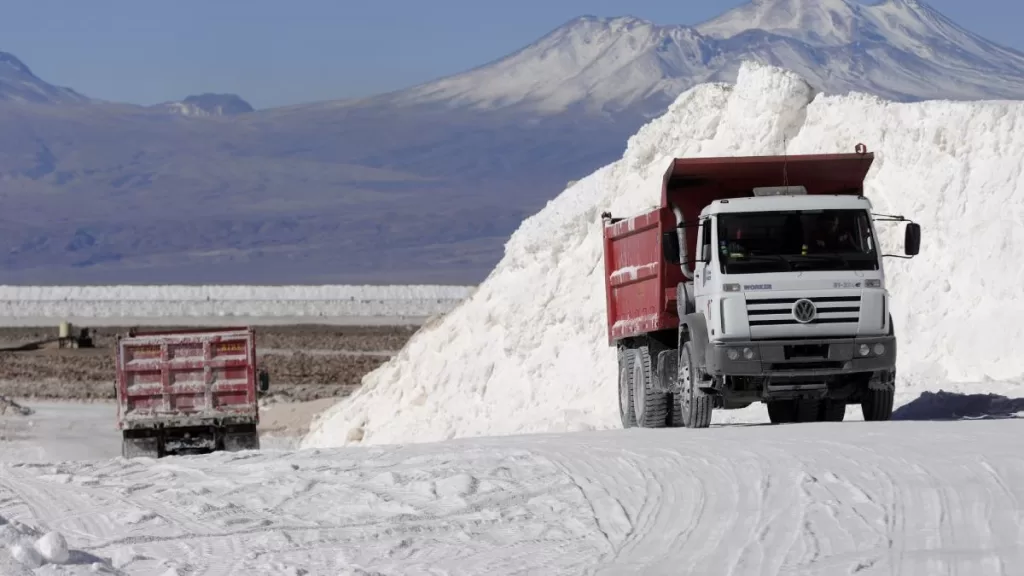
<point>308,362</point>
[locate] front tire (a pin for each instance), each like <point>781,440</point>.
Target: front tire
<point>695,406</point>
<point>876,405</point>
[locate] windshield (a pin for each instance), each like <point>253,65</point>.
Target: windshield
<point>757,242</point>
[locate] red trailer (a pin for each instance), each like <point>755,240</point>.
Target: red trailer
<point>188,390</point>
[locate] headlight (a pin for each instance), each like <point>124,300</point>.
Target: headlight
<point>748,353</point>
<point>879,349</point>
<point>864,350</point>
<point>732,353</point>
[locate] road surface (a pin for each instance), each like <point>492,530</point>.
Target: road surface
<point>907,498</point>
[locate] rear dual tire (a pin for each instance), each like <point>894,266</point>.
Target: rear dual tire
<point>651,407</point>
<point>641,405</point>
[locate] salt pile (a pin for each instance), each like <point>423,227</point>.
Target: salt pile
<point>527,352</point>
<point>24,548</point>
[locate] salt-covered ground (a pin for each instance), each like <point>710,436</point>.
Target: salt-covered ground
<point>910,498</point>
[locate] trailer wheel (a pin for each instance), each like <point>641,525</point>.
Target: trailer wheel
<point>650,405</point>
<point>239,438</point>
<point>140,446</point>
<point>876,405</point>
<point>626,411</point>
<point>695,405</point>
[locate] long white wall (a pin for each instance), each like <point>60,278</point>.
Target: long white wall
<point>21,305</point>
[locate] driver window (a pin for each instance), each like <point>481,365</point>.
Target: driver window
<point>705,242</point>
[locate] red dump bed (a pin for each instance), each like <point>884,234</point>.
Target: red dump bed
<point>186,378</point>
<point>640,287</point>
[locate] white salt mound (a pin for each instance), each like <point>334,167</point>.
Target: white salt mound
<point>53,547</point>
<point>26,555</point>
<point>527,352</point>
<point>29,548</point>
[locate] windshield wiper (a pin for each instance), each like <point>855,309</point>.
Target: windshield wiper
<point>827,257</point>
<point>763,258</point>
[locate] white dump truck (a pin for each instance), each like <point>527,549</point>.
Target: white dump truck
<point>757,279</point>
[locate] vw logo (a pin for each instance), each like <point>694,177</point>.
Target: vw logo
<point>804,311</point>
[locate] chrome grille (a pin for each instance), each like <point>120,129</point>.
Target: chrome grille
<point>779,311</point>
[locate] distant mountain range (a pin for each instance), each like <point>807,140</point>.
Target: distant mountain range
<point>423,184</point>
<point>210,105</point>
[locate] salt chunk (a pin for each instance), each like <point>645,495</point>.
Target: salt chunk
<point>53,547</point>
<point>26,555</point>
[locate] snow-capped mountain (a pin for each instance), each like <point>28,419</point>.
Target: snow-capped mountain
<point>209,105</point>
<point>19,84</point>
<point>432,179</point>
<point>900,49</point>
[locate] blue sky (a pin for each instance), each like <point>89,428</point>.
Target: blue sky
<point>273,52</point>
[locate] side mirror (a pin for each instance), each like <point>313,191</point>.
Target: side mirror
<point>912,239</point>
<point>264,381</point>
<point>670,247</point>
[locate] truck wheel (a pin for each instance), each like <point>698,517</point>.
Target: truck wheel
<point>626,411</point>
<point>694,405</point>
<point>140,447</point>
<point>831,411</point>
<point>650,405</point>
<point>876,405</point>
<point>242,438</point>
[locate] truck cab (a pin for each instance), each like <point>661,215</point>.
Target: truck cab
<point>760,292</point>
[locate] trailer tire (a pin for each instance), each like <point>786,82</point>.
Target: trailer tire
<point>650,405</point>
<point>626,411</point>
<point>876,405</point>
<point>238,438</point>
<point>695,406</point>
<point>140,446</point>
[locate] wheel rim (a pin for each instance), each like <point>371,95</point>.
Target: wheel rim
<point>685,383</point>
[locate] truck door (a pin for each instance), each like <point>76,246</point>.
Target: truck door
<point>704,271</point>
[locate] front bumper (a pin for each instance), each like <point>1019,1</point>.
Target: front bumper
<point>824,357</point>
